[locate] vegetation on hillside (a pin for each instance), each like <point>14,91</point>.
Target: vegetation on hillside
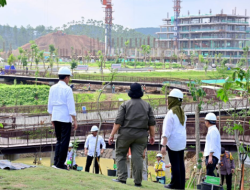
<point>92,28</point>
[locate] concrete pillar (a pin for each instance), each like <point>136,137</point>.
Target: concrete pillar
<point>11,157</point>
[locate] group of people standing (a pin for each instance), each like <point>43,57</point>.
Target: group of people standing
<point>135,125</point>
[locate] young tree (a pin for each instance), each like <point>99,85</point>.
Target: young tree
<point>206,64</point>
<point>41,57</point>
<point>101,60</point>
<point>198,95</point>
<point>57,58</point>
<point>220,57</point>
<point>33,48</point>
<point>51,59</point>
<point>145,50</point>
<point>73,64</point>
<point>21,51</point>
<point>36,54</point>
<point>245,54</point>
<point>51,50</point>
<point>11,60</point>
<point>192,58</point>
<point>182,56</point>
<point>88,57</point>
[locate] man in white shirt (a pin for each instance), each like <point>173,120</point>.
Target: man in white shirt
<point>174,138</point>
<point>61,107</point>
<point>212,149</point>
<point>90,149</point>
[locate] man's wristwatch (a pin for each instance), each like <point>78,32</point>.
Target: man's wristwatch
<point>164,146</point>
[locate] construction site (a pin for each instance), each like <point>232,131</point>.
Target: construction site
<point>191,42</point>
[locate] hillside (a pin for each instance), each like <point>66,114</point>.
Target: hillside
<point>17,37</point>
<point>49,178</point>
<point>64,42</point>
<point>148,31</point>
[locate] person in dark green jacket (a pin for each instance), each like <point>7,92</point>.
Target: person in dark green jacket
<point>134,123</point>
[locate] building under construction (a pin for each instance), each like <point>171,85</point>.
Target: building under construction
<point>208,34</point>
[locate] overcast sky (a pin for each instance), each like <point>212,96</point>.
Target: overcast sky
<point>130,13</point>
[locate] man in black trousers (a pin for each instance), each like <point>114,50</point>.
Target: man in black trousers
<point>61,107</point>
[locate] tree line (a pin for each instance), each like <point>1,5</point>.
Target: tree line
<point>17,37</point>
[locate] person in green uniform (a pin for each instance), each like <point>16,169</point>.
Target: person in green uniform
<point>134,121</point>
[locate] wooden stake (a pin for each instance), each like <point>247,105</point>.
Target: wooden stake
<point>191,177</point>
<point>235,180</point>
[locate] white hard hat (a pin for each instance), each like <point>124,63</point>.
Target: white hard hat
<point>210,117</point>
<point>176,93</point>
<point>94,128</point>
<point>70,145</point>
<point>64,71</point>
<point>159,155</point>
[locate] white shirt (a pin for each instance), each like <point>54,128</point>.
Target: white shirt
<point>174,131</point>
<point>69,157</point>
<point>61,102</point>
<point>90,144</point>
<point>213,142</point>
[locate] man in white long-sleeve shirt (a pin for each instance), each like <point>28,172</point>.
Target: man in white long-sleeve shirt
<point>174,139</point>
<point>61,107</point>
<point>212,149</point>
<point>90,149</point>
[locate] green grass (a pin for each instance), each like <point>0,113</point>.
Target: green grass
<point>89,97</point>
<point>49,178</point>
<point>181,75</point>
<point>176,74</point>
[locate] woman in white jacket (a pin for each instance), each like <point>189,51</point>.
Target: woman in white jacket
<point>174,139</point>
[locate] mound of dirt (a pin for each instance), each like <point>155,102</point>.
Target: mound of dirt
<point>64,43</point>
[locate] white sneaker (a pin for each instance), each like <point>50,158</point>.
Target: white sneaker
<point>54,166</point>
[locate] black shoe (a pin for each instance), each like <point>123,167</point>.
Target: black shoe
<point>138,185</point>
<point>64,167</point>
<point>119,181</point>
<point>168,186</point>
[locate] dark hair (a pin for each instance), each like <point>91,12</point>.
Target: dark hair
<point>62,77</point>
<point>223,150</point>
<point>212,122</point>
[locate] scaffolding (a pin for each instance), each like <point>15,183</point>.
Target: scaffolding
<point>108,25</point>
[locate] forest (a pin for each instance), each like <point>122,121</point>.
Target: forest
<point>16,37</point>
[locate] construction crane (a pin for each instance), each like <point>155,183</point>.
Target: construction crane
<point>108,25</point>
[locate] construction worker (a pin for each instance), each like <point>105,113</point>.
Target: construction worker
<point>71,157</point>
<point>160,168</point>
<point>89,87</point>
<point>212,149</point>
<point>135,118</point>
<point>227,167</point>
<point>113,89</point>
<point>174,139</point>
<point>61,107</point>
<point>90,149</point>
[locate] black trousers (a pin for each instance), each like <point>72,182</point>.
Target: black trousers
<point>211,167</point>
<point>178,169</point>
<point>63,131</point>
<point>228,180</point>
<point>89,162</point>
